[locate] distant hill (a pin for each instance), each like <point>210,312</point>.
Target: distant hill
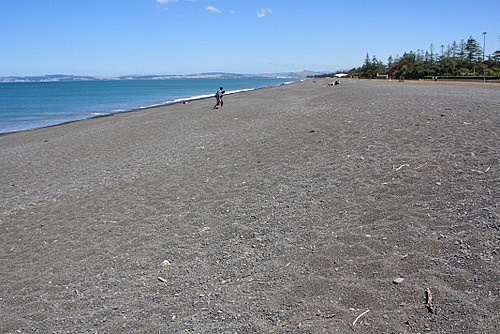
<point>215,75</point>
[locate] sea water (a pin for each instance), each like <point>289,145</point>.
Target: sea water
<point>29,105</point>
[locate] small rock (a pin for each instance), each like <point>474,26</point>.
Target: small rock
<point>398,280</point>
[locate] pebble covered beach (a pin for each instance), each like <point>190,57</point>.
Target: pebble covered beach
<point>366,207</point>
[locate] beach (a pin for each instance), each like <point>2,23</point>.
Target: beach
<point>367,207</point>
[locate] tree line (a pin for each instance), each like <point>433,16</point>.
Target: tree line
<point>464,59</point>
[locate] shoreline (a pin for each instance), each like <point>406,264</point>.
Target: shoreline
<point>166,104</point>
<point>295,208</point>
<point>111,112</point>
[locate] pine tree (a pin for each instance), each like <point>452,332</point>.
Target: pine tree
<point>461,50</point>
<point>454,49</point>
<point>472,50</point>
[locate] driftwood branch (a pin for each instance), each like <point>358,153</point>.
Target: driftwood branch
<point>359,316</point>
<point>430,306</point>
<point>403,165</point>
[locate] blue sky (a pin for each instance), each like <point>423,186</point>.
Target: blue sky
<point>122,37</point>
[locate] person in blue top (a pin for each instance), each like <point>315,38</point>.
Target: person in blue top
<point>218,98</point>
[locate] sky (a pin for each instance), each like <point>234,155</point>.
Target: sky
<point>148,37</point>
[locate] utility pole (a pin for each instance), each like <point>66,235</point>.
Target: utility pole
<point>484,45</point>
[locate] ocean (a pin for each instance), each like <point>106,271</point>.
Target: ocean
<point>30,105</point>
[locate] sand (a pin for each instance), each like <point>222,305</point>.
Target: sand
<point>301,208</point>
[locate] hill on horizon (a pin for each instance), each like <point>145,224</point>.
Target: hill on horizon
<point>215,75</point>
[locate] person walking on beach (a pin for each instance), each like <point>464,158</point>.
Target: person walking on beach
<point>218,98</point>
